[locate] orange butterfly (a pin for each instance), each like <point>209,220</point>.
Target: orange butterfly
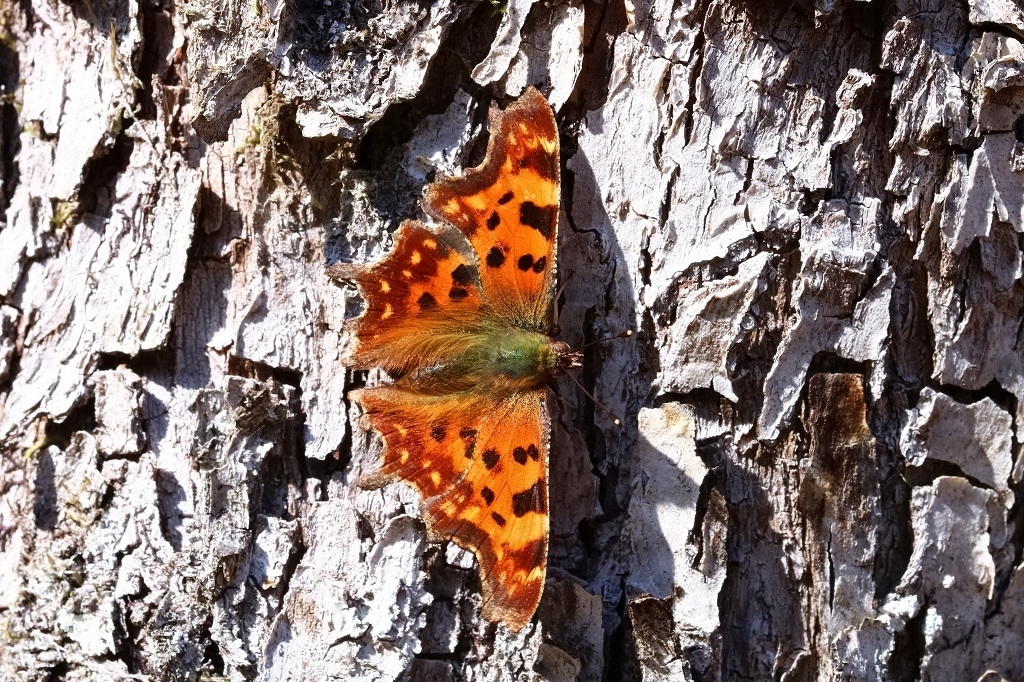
<point>460,318</point>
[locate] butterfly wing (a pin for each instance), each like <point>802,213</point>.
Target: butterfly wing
<point>481,466</point>
<point>421,300</point>
<point>508,209</point>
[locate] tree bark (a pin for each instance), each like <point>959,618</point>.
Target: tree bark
<point>811,213</point>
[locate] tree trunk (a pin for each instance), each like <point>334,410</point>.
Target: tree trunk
<point>813,215</point>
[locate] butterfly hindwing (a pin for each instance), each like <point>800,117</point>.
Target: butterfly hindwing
<point>429,441</point>
<point>508,209</point>
<point>419,300</point>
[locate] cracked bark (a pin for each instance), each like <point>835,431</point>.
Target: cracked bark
<point>812,213</point>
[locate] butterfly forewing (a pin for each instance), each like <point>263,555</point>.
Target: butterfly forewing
<point>508,209</point>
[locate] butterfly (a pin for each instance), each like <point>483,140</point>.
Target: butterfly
<point>460,317</point>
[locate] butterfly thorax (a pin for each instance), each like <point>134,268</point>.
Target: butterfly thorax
<point>525,359</point>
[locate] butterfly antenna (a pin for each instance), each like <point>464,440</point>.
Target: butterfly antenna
<point>621,335</point>
<point>598,403</point>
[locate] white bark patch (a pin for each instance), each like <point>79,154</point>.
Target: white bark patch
<point>99,555</point>
<point>229,51</point>
<point>865,650</point>
<point>980,209</point>
<point>1001,80</point>
<point>457,556</point>
<point>708,321</point>
<point>1003,648</point>
<point>115,281</point>
<point>849,98</point>
<point>552,54</point>
<point>616,159</point>
<point>663,505</point>
<point>77,90</point>
<point>989,190</point>
<point>506,43</point>
<point>1003,12</point>
<point>950,575</point>
<point>976,437</point>
<point>976,343</point>
<point>438,144</point>
<point>118,394</point>
<point>833,311</point>
<point>343,63</point>
<point>927,96</point>
<point>75,93</point>
<point>290,294</point>
<point>666,562</point>
<point>349,614</point>
<point>342,97</point>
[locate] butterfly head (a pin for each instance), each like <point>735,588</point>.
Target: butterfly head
<point>565,357</point>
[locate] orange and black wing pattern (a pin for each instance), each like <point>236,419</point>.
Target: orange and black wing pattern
<point>481,466</point>
<point>479,460</point>
<point>420,300</point>
<point>508,209</point>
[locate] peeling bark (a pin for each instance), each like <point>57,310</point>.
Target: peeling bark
<point>812,213</point>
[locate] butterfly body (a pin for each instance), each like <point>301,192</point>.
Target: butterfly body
<point>459,317</point>
<point>509,359</point>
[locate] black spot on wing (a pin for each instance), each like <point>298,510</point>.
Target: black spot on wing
<point>498,518</point>
<point>525,262</point>
<point>493,221</point>
<point>487,494</point>
<point>540,264</point>
<point>495,257</point>
<point>491,458</point>
<point>529,500</point>
<point>505,198</point>
<point>427,302</point>
<point>438,432</point>
<point>540,218</point>
<point>469,436</point>
<point>462,275</point>
<point>458,293</point>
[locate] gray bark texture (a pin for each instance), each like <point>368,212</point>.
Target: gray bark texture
<point>812,213</point>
